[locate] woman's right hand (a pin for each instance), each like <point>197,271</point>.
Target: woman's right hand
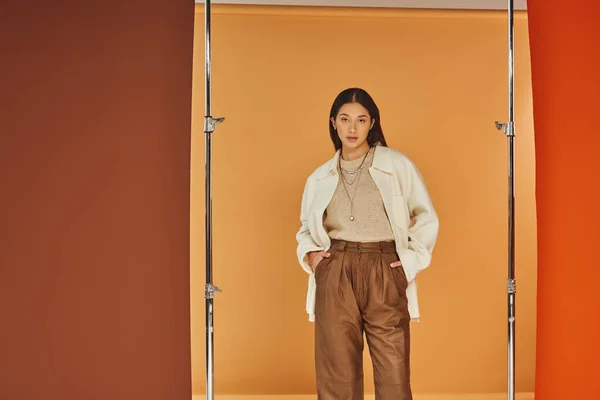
<point>315,257</point>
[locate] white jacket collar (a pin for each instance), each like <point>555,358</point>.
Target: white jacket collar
<point>381,161</point>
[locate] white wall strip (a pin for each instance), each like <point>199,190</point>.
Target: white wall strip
<point>436,4</point>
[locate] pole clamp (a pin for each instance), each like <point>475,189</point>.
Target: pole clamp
<point>511,286</point>
<point>209,291</point>
<point>210,123</point>
<point>507,127</point>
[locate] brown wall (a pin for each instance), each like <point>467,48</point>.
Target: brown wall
<point>440,79</point>
<point>94,205</point>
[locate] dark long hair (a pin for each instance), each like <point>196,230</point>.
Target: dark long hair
<point>357,95</point>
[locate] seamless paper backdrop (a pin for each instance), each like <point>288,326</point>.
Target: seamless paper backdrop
<point>565,87</point>
<point>94,200</point>
<point>440,80</point>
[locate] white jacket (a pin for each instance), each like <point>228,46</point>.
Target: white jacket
<point>404,196</point>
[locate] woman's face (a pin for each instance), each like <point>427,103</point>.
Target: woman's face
<point>352,125</point>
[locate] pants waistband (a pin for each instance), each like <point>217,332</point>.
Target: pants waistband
<point>360,247</point>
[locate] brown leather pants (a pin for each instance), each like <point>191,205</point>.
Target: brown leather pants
<point>358,291</point>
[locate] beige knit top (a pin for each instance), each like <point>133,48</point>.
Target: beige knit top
<point>370,223</point>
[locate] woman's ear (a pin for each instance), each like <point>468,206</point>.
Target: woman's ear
<point>372,123</point>
<point>333,123</point>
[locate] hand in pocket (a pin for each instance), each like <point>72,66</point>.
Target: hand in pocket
<point>315,257</point>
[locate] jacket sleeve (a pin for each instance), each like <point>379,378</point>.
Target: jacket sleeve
<point>422,234</point>
<point>305,241</point>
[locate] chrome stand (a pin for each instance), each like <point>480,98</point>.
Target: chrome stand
<point>509,130</point>
<point>209,289</point>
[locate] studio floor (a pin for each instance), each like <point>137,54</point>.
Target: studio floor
<point>473,396</point>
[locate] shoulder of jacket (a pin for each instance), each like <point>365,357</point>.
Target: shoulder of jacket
<point>320,171</point>
<point>398,157</point>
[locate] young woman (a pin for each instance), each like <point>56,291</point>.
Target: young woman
<point>368,228</point>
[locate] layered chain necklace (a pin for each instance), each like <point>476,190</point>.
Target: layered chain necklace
<point>356,179</point>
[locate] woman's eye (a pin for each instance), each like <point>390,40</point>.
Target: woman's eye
<point>344,119</point>
<point>362,121</point>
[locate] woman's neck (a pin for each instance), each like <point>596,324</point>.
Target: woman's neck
<point>351,154</point>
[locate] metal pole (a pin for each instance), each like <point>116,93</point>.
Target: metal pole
<point>209,289</point>
<point>509,130</point>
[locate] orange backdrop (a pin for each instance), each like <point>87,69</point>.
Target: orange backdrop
<point>440,79</point>
<point>565,65</point>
